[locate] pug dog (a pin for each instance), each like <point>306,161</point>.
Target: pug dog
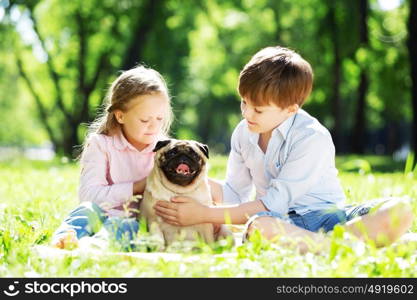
<point>180,169</point>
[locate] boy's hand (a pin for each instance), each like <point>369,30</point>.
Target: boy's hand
<point>181,211</point>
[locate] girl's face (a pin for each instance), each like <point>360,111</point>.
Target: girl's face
<point>142,122</point>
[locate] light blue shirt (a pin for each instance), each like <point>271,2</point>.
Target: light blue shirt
<point>297,172</point>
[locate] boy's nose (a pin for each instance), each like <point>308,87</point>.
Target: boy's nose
<point>246,113</point>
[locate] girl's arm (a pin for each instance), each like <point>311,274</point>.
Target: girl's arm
<point>139,187</point>
<point>94,185</point>
<point>184,211</point>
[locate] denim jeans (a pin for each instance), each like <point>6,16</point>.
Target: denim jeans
<point>324,219</point>
<point>88,219</point>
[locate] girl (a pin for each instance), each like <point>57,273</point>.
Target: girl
<point>117,157</point>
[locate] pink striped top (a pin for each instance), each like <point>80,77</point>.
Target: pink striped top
<point>109,167</point>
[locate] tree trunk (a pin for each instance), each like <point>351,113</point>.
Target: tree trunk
<point>335,95</point>
<point>358,142</point>
<point>359,129</point>
<point>412,50</point>
<point>69,142</point>
<point>144,25</point>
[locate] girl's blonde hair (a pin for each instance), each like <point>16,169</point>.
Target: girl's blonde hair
<point>130,84</point>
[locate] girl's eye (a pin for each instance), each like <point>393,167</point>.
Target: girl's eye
<point>258,111</point>
<point>144,121</point>
<point>159,119</point>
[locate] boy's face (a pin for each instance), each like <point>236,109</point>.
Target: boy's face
<point>263,119</point>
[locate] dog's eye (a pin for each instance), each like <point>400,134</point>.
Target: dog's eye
<point>194,155</point>
<point>171,153</point>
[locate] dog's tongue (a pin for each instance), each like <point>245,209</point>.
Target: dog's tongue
<point>183,169</point>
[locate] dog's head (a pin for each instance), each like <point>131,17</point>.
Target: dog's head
<point>181,161</point>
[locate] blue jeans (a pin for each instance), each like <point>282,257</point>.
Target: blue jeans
<point>88,219</point>
<point>324,219</point>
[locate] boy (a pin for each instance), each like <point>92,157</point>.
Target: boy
<point>290,158</point>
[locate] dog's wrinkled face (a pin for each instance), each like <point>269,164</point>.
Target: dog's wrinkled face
<point>181,161</point>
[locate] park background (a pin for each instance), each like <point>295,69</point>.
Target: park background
<point>57,59</point>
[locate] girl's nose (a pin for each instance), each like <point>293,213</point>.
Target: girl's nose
<point>153,124</point>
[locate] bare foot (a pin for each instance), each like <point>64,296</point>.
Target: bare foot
<point>66,240</point>
<point>385,225</point>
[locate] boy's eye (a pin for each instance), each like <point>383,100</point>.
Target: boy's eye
<point>159,119</point>
<point>258,111</point>
<point>144,121</point>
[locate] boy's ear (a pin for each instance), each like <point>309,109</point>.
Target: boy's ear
<point>293,108</point>
<point>204,148</point>
<point>161,144</point>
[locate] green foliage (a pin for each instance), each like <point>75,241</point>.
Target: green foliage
<point>200,47</point>
<point>409,163</point>
<point>361,165</point>
<point>32,208</point>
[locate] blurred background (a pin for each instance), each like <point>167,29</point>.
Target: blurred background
<point>57,59</point>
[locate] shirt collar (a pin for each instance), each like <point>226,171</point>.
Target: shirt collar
<point>121,144</point>
<point>283,129</point>
<point>285,126</point>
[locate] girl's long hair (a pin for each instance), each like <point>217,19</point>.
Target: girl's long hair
<point>130,84</point>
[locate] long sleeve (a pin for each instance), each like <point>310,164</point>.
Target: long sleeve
<point>238,184</point>
<point>94,184</point>
<point>305,165</point>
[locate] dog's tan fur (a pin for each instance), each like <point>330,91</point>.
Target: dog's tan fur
<point>158,187</point>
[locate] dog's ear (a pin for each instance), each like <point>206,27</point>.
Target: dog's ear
<point>161,144</point>
<point>204,148</point>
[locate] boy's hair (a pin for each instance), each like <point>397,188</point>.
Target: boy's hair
<point>276,75</point>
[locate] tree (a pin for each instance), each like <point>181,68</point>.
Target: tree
<point>335,97</point>
<point>412,50</point>
<point>359,129</point>
<point>99,35</point>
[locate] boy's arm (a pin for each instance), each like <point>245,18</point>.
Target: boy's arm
<point>216,189</point>
<point>238,183</point>
<point>184,211</point>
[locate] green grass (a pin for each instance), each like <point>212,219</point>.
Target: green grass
<point>35,197</point>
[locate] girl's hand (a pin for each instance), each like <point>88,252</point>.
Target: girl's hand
<point>181,211</point>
